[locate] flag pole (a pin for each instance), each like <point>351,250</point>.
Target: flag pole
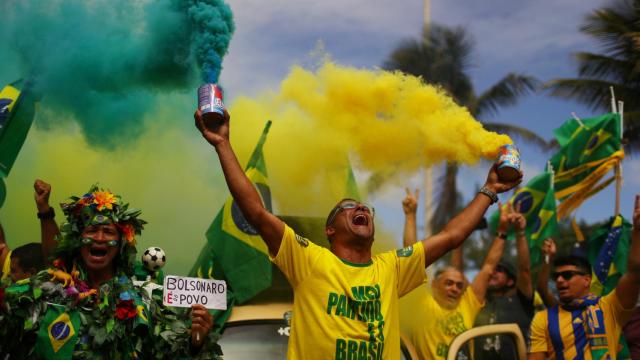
<point>553,175</point>
<point>619,165</point>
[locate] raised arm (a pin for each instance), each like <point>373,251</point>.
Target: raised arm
<point>481,281</point>
<point>629,285</point>
<point>244,193</point>
<point>410,207</point>
<point>542,284</point>
<point>48,227</point>
<point>523,282</point>
<point>459,228</point>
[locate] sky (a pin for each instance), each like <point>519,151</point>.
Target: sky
<point>534,38</point>
<point>158,161</point>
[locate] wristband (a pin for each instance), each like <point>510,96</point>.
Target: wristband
<point>520,233</point>
<point>485,191</point>
<point>49,214</point>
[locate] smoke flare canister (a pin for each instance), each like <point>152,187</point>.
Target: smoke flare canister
<point>210,105</point>
<point>509,159</point>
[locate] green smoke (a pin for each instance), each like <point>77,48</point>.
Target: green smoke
<point>103,63</point>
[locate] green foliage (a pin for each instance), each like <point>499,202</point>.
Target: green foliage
<point>616,29</point>
<point>105,336</point>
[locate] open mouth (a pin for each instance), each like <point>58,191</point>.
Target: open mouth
<point>98,252</point>
<point>360,219</point>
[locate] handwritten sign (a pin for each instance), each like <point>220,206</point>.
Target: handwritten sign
<point>183,291</point>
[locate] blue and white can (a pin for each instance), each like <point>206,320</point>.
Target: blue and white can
<point>210,105</point>
<point>509,160</point>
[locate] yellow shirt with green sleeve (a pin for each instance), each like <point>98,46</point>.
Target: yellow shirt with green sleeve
<point>343,310</point>
<point>438,326</point>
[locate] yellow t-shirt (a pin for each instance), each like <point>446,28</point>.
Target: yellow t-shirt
<point>615,316</point>
<point>438,326</point>
<point>6,267</point>
<point>343,310</point>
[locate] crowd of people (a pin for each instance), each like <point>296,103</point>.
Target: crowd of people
<point>72,294</point>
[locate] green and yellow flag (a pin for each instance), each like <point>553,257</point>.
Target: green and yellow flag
<point>234,251</point>
<point>536,201</point>
<point>58,333</point>
<point>607,252</point>
<point>590,148</point>
<point>17,108</point>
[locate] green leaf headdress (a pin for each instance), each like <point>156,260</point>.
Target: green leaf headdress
<point>99,207</point>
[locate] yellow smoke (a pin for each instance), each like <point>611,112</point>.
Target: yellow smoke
<point>321,121</point>
<point>381,119</point>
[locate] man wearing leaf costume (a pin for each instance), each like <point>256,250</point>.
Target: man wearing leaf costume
<point>86,306</point>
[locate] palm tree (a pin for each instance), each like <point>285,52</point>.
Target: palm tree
<point>443,56</point>
<point>617,30</point>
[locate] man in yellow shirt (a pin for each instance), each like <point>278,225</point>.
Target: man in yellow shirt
<point>452,306</point>
<point>584,326</point>
<point>345,299</point>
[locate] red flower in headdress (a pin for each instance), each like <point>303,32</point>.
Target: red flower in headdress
<point>128,233</point>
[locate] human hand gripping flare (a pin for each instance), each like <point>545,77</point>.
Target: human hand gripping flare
<point>497,185</point>
<point>214,136</point>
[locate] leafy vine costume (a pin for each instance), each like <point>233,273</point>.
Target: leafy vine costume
<point>57,315</point>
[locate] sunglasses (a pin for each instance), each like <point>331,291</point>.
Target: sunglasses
<point>89,241</point>
<point>567,275</point>
<point>350,205</point>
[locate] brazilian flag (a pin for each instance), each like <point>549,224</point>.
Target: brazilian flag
<point>607,252</point>
<point>58,333</point>
<point>234,251</point>
<point>536,201</point>
<point>17,108</point>
<point>590,148</point>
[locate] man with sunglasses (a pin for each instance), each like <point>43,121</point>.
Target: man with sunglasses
<point>345,299</point>
<point>582,325</point>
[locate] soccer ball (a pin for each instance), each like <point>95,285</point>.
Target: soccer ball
<point>154,258</point>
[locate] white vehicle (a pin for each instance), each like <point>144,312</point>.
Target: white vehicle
<point>511,330</point>
<point>261,331</point>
